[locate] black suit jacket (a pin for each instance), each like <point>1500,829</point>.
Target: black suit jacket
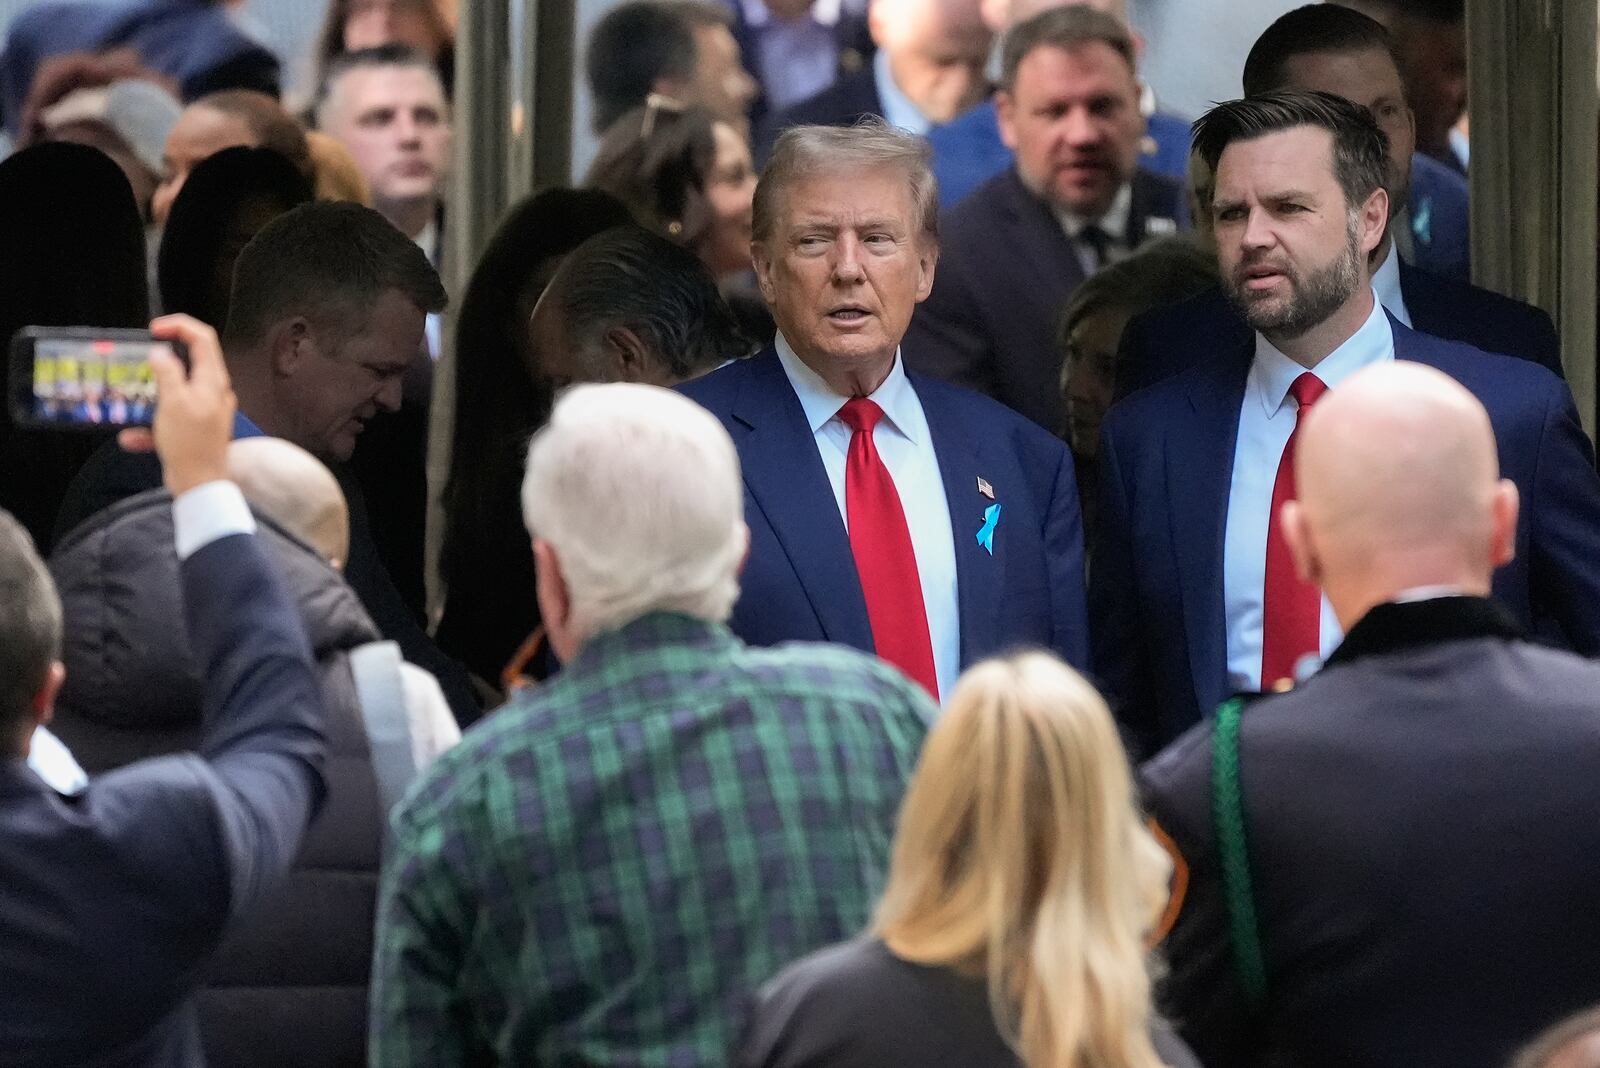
<point>111,901</point>
<point>1422,851</point>
<point>1159,343</point>
<point>841,104</point>
<point>1005,269</point>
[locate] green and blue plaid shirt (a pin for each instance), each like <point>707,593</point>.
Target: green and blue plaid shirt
<point>604,871</point>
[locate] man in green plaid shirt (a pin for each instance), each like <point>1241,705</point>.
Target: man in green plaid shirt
<point>604,871</point>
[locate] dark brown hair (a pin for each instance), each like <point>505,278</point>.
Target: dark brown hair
<point>657,160</point>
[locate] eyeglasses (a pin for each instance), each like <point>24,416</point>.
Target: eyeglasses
<point>655,104</point>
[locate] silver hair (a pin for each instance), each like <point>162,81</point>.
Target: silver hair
<point>638,491</point>
<point>805,151</point>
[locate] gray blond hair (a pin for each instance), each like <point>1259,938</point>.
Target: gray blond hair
<point>871,144</point>
<point>638,491</point>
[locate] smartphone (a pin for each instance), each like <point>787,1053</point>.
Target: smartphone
<point>84,378</point>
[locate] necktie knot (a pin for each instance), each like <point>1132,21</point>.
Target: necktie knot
<point>1307,390</point>
<point>1099,242</point>
<point>860,414</point>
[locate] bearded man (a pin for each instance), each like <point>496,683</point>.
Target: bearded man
<point>1193,594</point>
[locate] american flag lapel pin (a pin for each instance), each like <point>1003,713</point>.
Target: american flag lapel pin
<point>985,489</point>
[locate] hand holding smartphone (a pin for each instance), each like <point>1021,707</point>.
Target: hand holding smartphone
<point>84,378</point>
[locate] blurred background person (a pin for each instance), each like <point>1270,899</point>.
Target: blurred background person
<point>1075,200</point>
<point>1430,38</point>
<point>1023,891</point>
<point>225,120</point>
<point>200,44</point>
<point>387,106</point>
<point>968,150</point>
<point>108,101</point>
<point>425,26</point>
<point>501,397</point>
<point>681,49</point>
<point>225,202</point>
<point>1163,271</point>
<point>795,49</point>
<point>688,176</point>
<point>928,68</point>
<point>72,253</point>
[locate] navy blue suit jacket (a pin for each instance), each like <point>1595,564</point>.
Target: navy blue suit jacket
<point>1159,343</point>
<point>1438,219</point>
<point>800,583</point>
<point>112,900</point>
<point>1005,269</point>
<point>1166,463</point>
<point>850,34</point>
<point>841,104</point>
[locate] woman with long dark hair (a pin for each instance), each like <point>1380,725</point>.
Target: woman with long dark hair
<point>485,561</point>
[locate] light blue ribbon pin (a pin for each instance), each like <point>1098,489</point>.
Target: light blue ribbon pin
<point>991,519</point>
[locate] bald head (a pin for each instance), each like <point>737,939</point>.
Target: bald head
<point>1572,1043</point>
<point>1399,488</point>
<point>292,488</point>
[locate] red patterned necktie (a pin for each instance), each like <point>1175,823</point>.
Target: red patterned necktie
<point>881,543</point>
<point>1291,609</point>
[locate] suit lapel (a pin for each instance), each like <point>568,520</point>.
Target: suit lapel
<point>1036,238</point>
<point>1199,471</point>
<point>1151,199</point>
<point>784,474</point>
<point>1425,311</point>
<point>979,574</point>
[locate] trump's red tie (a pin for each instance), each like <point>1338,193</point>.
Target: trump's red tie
<point>1291,609</point>
<point>881,543</point>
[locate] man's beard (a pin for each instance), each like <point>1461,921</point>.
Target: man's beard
<point>1311,300</point>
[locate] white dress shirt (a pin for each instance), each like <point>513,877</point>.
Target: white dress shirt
<point>1114,222</point>
<point>1386,283</point>
<point>1266,419</point>
<point>906,447</point>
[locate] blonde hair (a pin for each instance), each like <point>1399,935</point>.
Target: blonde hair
<point>335,170</point>
<point>1021,854</point>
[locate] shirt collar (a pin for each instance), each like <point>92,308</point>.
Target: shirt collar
<point>821,404</point>
<point>1386,283</point>
<point>898,109</point>
<point>1397,626</point>
<point>429,238</point>
<point>823,13</point>
<point>1114,222</point>
<point>1272,373</point>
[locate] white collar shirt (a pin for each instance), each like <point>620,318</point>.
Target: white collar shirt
<point>1114,222</point>
<point>1386,283</point>
<point>905,444</point>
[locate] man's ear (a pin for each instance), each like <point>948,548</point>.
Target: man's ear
<point>292,344</point>
<point>1503,532</point>
<point>629,357</point>
<point>762,262</point>
<point>1005,111</point>
<point>1374,220</point>
<point>1302,547</point>
<point>43,706</point>
<point>555,601</point>
<point>927,260</point>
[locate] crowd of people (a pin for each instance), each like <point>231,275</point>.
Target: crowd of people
<point>943,561</point>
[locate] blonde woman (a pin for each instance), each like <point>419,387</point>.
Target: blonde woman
<point>1022,891</point>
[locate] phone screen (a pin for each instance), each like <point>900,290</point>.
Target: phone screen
<point>93,381</point>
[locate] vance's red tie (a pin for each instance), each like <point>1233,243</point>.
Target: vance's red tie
<point>881,544</point>
<point>1291,624</point>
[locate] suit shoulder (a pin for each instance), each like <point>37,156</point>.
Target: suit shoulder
<point>1494,377</point>
<point>972,218</point>
<point>838,103</point>
<point>997,420</point>
<point>715,391</point>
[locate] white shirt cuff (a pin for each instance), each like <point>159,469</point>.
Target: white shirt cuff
<point>208,513</point>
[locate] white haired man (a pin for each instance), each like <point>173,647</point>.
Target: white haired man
<point>606,869</point>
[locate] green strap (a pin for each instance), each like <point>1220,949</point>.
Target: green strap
<point>1227,811</point>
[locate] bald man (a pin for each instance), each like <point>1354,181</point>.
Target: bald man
<point>292,488</point>
<point>1572,1043</point>
<point>1422,854</point>
<point>928,68</point>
